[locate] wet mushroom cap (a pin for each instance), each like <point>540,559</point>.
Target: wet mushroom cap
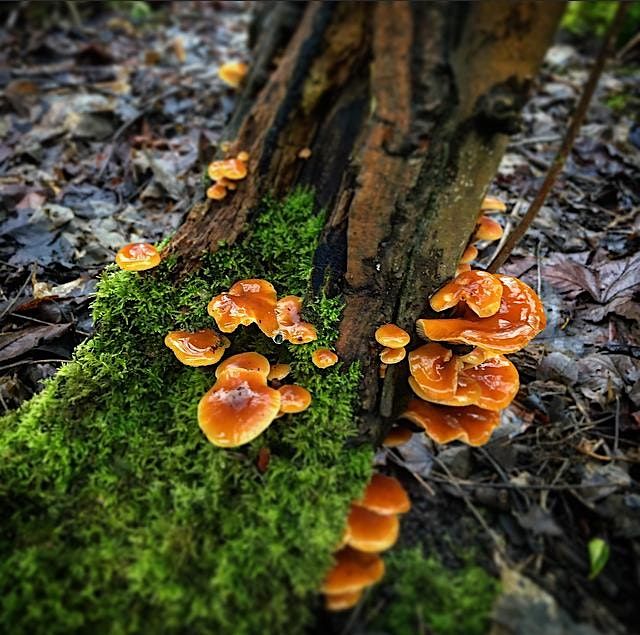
<point>323,358</point>
<point>237,409</point>
<point>278,372</point>
<point>352,571</point>
<point>492,204</point>
<point>371,532</point>
<point>290,323</point>
<point>385,495</point>
<point>198,348</point>
<point>137,257</point>
<point>217,192</point>
<point>435,369</point>
<point>232,73</point>
<point>250,361</point>
<point>398,435</point>
<point>341,601</point>
<point>487,229</point>
<point>294,398</point>
<point>462,267</point>
<point>469,255</point>
<point>518,320</point>
<point>233,169</point>
<point>443,424</point>
<point>392,355</point>
<point>392,336</point>
<point>479,290</point>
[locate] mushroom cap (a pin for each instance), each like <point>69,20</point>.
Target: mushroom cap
<point>392,355</point>
<point>238,408</point>
<point>137,257</point>
<point>200,348</point>
<point>392,336</point>
<point>278,371</point>
<point>217,192</point>
<point>487,229</point>
<point>443,424</point>
<point>291,326</point>
<point>476,356</point>
<point>293,398</point>
<point>479,290</point>
<point>518,320</point>
<point>341,601</point>
<point>492,204</point>
<point>370,532</point>
<point>304,153</point>
<point>246,302</point>
<point>233,169</point>
<point>323,358</point>
<point>435,369</point>
<point>462,267</point>
<point>352,571</point>
<point>232,73</point>
<point>469,255</point>
<point>250,361</point>
<point>243,156</point>
<point>385,495</point>
<point>397,435</point>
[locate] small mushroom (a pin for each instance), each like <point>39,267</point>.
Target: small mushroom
<point>487,229</point>
<point>443,424</point>
<point>233,73</point>
<point>291,325</point>
<point>385,495</point>
<point>243,156</point>
<point>304,153</point>
<point>342,601</point>
<point>492,204</point>
<point>323,358</point>
<point>469,255</point>
<point>278,372</point>
<point>353,571</point>
<point>137,257</point>
<point>398,435</point>
<point>392,355</point>
<point>293,398</point>
<point>217,192</point>
<point>200,348</point>
<point>238,408</point>
<point>233,169</point>
<point>392,336</point>
<point>250,361</point>
<point>371,532</point>
<point>479,290</point>
<point>462,267</point>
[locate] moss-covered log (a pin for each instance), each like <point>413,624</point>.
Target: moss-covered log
<point>117,516</point>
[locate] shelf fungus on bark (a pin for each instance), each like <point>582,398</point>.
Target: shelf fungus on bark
<point>247,302</point>
<point>293,398</point>
<point>137,257</point>
<point>293,328</point>
<point>443,424</point>
<point>518,320</point>
<point>233,73</point>
<point>392,336</point>
<point>479,290</point>
<point>323,358</point>
<point>198,348</point>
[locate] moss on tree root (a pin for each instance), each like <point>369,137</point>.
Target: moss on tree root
<point>119,517</point>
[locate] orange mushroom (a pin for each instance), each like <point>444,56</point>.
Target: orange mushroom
<point>435,369</point>
<point>246,302</point>
<point>518,320</point>
<point>238,408</point>
<point>304,153</point>
<point>243,156</point>
<point>492,204</point>
<point>323,358</point>
<point>479,290</point>
<point>392,355</point>
<point>217,192</point>
<point>200,348</point>
<point>397,435</point>
<point>385,495</point>
<point>469,255</point>
<point>293,398</point>
<point>392,336</point>
<point>232,73</point>
<point>278,372</point>
<point>293,329</point>
<point>353,571</point>
<point>250,361</point>
<point>443,424</point>
<point>476,356</point>
<point>137,257</point>
<point>487,229</point>
<point>342,601</point>
<point>371,532</point>
<point>462,267</point>
<point>233,169</point>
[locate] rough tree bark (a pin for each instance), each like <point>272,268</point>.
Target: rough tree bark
<point>407,108</point>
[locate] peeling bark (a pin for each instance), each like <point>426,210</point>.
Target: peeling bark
<point>407,108</point>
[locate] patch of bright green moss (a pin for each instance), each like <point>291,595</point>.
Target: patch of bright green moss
<point>427,596</point>
<point>119,517</point>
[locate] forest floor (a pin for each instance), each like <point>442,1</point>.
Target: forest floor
<point>106,123</point>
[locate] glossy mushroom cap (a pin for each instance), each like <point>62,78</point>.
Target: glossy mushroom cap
<point>293,398</point>
<point>392,336</point>
<point>200,348</point>
<point>278,372</point>
<point>251,361</point>
<point>233,169</point>
<point>385,495</point>
<point>435,369</point>
<point>443,424</point>
<point>462,267</point>
<point>353,571</point>
<point>232,73</point>
<point>292,327</point>
<point>479,290</point>
<point>342,601</point>
<point>238,408</point>
<point>370,532</point>
<point>137,257</point>
<point>469,255</point>
<point>518,320</point>
<point>398,435</point>
<point>392,355</point>
<point>323,358</point>
<point>492,204</point>
<point>217,192</point>
<point>487,229</point>
<point>246,302</point>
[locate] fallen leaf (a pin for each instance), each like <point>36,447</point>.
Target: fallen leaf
<point>16,343</point>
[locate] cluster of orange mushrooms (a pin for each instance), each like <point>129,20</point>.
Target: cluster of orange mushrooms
<point>225,173</point>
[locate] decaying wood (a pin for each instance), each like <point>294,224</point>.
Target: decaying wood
<point>407,108</point>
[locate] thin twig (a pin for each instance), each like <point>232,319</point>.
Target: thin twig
<point>562,154</point>
<point>13,302</point>
<point>32,361</point>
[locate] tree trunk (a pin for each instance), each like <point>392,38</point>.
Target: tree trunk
<point>407,108</point>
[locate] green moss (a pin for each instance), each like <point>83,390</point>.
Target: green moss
<point>118,516</point>
<point>427,596</point>
<point>585,18</point>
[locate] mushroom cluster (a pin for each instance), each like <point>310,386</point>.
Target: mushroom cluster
<point>225,173</point>
<point>372,527</point>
